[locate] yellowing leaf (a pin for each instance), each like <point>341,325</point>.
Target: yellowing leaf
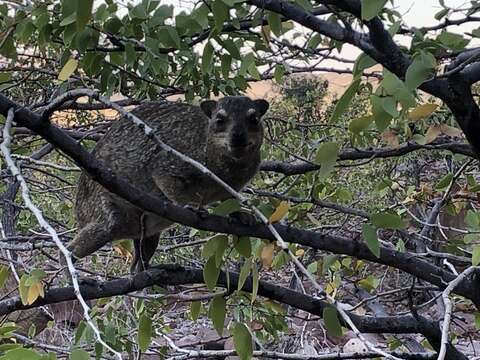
<point>68,69</point>
<point>23,289</point>
<point>279,212</point>
<point>451,131</point>
<point>267,255</point>
<point>422,111</point>
<point>35,291</point>
<point>391,138</point>
<point>299,252</point>
<point>476,256</point>
<point>123,251</point>
<point>266,33</point>
<point>331,289</point>
<point>433,132</point>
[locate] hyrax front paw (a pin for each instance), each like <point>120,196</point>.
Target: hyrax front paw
<point>243,217</point>
<point>85,281</point>
<point>201,211</point>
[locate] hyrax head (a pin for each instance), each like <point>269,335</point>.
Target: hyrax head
<point>235,124</point>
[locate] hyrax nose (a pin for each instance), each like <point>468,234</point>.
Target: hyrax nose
<point>239,139</point>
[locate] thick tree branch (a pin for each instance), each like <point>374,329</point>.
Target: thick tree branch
<point>301,167</point>
<point>176,275</point>
<point>454,90</point>
<point>337,244</point>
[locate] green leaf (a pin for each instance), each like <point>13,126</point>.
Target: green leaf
<point>195,309</point>
<point>363,62</point>
<point>207,57</point>
<point>345,100</point>
<point>389,104</point>
<point>249,65</point>
<point>331,321</point>
<point>145,332</point>
<point>388,220</point>
<point>278,73</point>
<point>254,282</point>
<point>168,36</point>
<point>217,312</point>
<point>275,22</point>
<point>222,244</point>
<point>226,63</point>
<point>444,182</point>
<point>220,13</point>
<point>243,244</point>
<point>24,354</point>
<point>472,219</point>
<point>313,267</point>
<point>421,68</point>
<point>381,117</point>
<point>393,29</point>
<point>7,329</point>
<point>79,354</point>
<point>453,41</point>
<point>70,19</point>
<point>328,261</point>
<point>327,156</point>
<point>214,245</point>
<point>8,48</point>
<point>371,8</point>
<point>113,25</point>
<point>8,347</point>
<point>84,13</point>
<point>230,46</point>
<point>476,256</point>
<point>477,320</point>
<point>246,268</point>
<point>370,235</point>
<point>4,272</point>
<point>442,13</point>
<point>242,340</point>
<point>370,283</point>
<point>397,88</point>
<point>314,41</point>
<point>210,273</point>
<point>356,126</point>
<point>80,331</point>
<point>227,207</point>
<point>162,13</point>
<point>68,69</point>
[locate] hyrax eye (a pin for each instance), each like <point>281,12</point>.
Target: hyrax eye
<point>252,119</point>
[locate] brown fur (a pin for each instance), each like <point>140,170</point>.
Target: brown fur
<point>228,145</point>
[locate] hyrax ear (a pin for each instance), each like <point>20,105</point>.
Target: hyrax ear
<point>261,106</point>
<point>208,106</point>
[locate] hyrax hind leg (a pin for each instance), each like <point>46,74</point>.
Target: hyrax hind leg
<point>146,242</point>
<point>89,239</point>
<point>144,248</point>
<point>109,222</point>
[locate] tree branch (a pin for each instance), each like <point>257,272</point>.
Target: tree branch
<point>337,244</point>
<point>168,274</point>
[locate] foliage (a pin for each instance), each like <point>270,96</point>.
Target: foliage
<point>376,152</point>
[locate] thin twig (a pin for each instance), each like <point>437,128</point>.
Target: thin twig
<point>5,149</point>
<point>448,308</point>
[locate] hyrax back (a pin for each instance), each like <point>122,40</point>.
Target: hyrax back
<point>226,136</point>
